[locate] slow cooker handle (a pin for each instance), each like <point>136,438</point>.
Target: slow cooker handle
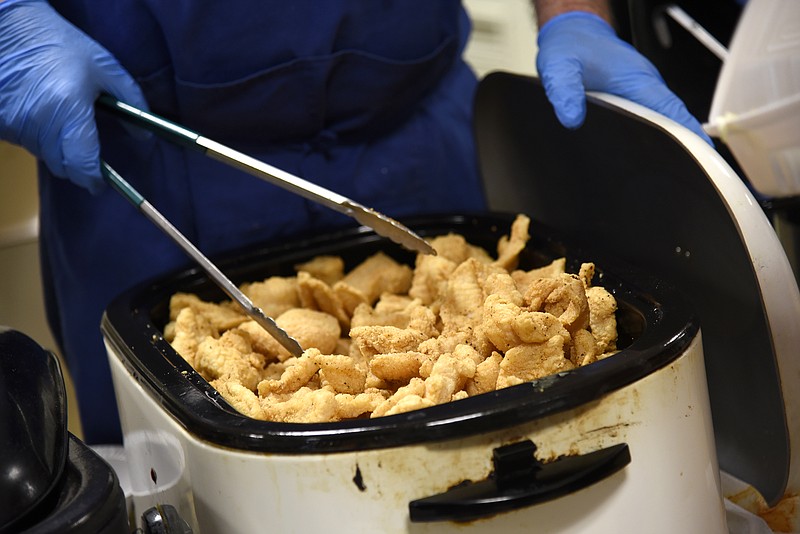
<point>519,480</point>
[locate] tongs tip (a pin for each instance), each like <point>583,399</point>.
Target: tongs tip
<point>390,228</point>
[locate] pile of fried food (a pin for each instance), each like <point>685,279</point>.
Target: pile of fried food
<point>384,338</point>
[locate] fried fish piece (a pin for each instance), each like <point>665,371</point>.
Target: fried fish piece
<point>455,248</point>
<point>189,330</point>
<point>376,275</point>
<point>586,274</point>
<point>508,325</point>
<point>350,297</point>
<point>583,349</point>
<point>239,397</point>
<point>329,269</point>
<point>397,366</point>
<point>499,316</point>
<point>390,303</point>
<point>390,310</point>
<point>501,283</point>
<point>306,405</point>
<point>538,327</point>
<point>273,295</point>
<point>409,403</point>
<point>311,328</point>
<point>524,279</point>
<point>602,311</point>
<point>485,378</point>
<point>602,318</point>
<point>509,247</point>
<point>530,361</point>
<point>263,342</point>
<point>372,340</point>
<point>430,276</point>
<point>431,273</point>
<point>340,373</point>
<point>274,370</point>
<point>220,316</point>
<point>449,375</point>
<point>462,300</point>
<point>564,297</point>
<point>315,294</point>
<point>415,389</point>
<point>351,406</point>
<point>231,355</point>
<point>296,374</point>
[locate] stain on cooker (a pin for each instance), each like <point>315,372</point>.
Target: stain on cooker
<point>611,431</point>
<point>358,480</point>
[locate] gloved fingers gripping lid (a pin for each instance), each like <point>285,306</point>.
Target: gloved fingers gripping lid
<point>580,52</point>
<point>563,83</point>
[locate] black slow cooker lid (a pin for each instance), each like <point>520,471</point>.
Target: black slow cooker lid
<point>639,194</point>
<point>655,322</point>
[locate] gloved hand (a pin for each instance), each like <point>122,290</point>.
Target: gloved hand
<point>579,52</point>
<point>50,76</point>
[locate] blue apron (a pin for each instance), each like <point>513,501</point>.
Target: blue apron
<point>368,98</point>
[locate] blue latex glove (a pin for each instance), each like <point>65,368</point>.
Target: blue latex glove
<point>580,52</point>
<point>50,76</point>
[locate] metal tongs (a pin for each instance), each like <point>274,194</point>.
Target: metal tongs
<point>254,312</point>
<point>383,225</point>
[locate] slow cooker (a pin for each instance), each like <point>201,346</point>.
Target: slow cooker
<point>623,445</point>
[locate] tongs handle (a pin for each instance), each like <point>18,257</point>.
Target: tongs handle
<point>176,133</point>
<point>254,312</point>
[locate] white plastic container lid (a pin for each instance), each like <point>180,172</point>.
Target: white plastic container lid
<point>756,105</point>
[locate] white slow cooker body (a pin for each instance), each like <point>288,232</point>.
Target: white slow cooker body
<point>670,485</point>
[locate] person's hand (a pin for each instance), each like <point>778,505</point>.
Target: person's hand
<point>50,76</point>
<point>579,52</point>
